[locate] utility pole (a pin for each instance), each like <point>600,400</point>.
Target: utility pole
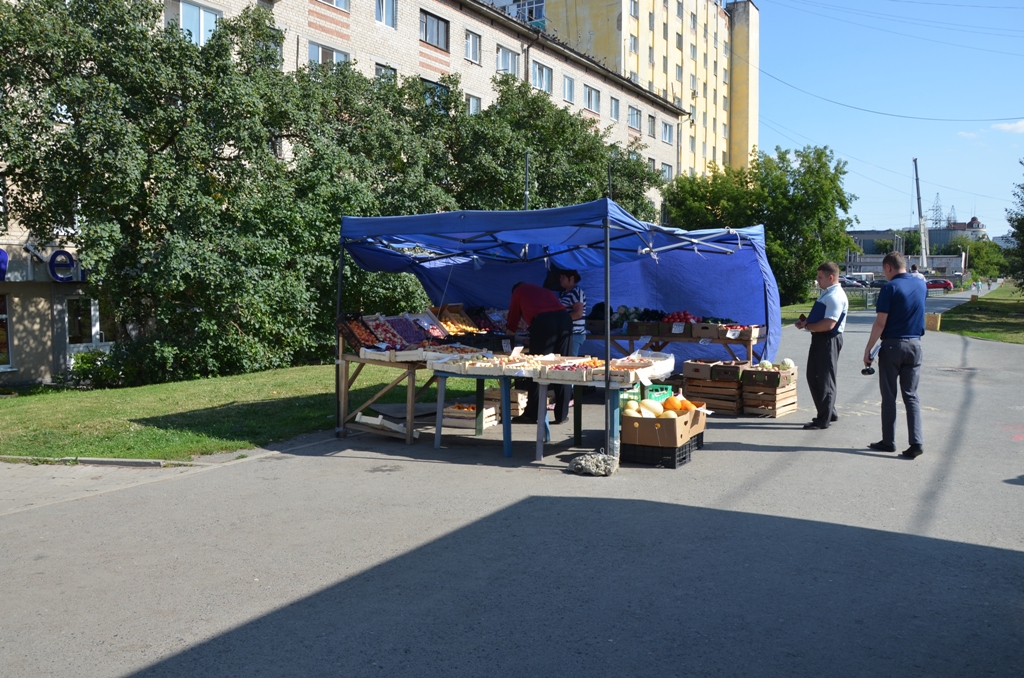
<point>921,226</point>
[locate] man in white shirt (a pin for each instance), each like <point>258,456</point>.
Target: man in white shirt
<point>914,273</point>
<point>826,323</point>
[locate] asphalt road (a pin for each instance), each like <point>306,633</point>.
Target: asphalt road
<point>776,551</point>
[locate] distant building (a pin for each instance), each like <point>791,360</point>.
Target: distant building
<point>973,229</point>
<point>866,239</point>
<point>1005,241</point>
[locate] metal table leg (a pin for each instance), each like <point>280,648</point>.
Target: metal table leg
<point>506,414</point>
<point>442,381</point>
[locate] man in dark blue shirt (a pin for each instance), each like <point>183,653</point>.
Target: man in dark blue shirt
<point>899,323</point>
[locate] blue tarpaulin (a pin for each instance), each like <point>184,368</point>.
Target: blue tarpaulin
<point>475,257</point>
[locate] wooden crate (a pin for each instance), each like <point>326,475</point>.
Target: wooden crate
<point>766,401</point>
<point>724,397</point>
<point>467,418</point>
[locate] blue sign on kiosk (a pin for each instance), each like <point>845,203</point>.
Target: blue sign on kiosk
<point>62,266</point>
<point>3,265</point>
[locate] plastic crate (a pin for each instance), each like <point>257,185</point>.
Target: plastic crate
<point>669,457</point>
<point>656,392</point>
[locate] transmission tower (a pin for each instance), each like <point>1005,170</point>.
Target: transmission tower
<point>951,219</point>
<point>938,219</point>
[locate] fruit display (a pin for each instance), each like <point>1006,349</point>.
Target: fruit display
<point>430,325</point>
<point>651,409</point>
<point>410,333</point>
<point>385,334</point>
<point>682,317</point>
<point>718,321</point>
<point>361,332</point>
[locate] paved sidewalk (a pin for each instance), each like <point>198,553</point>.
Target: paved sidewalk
<point>776,551</point>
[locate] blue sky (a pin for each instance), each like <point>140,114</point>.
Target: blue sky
<point>929,59</point>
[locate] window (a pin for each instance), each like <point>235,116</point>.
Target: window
<point>613,108</point>
<point>666,171</point>
<point>725,103</point>
<point>667,130</point>
<point>679,72</point>
<point>473,47</point>
<point>634,44</point>
<point>634,118</point>
<point>714,125</point>
<point>714,153</point>
<point>704,119</point>
<point>383,71</point>
<point>89,322</point>
<point>319,54</point>
<point>634,77</point>
<point>387,12</point>
<point>340,4</point>
<point>693,20</point>
<point>725,48</point>
<point>651,124</point>
<point>472,104</point>
<point>725,132</point>
<point>5,337</point>
<point>198,22</point>
<point>677,101</point>
<point>435,94</point>
<point>591,99</point>
<point>433,30</point>
<point>664,31</point>
<point>679,41</point>
<point>705,59</point>
<point>693,81</point>
<point>715,69</point>
<point>634,8</point>
<point>716,39</point>
<point>693,144</point>
<point>704,149</point>
<point>704,90</point>
<point>664,64</point>
<point>714,96</point>
<point>725,75</point>
<point>693,51</point>
<point>725,158</point>
<point>693,114</point>
<point>679,8</point>
<point>651,164</point>
<point>650,54</point>
<point>568,89</point>
<point>541,77</point>
<point>650,21</point>
<point>705,32</point>
<point>508,61</point>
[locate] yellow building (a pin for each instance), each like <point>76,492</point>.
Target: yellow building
<point>700,55</point>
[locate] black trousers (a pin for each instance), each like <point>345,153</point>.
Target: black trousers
<point>551,333</point>
<point>900,359</point>
<point>822,362</point>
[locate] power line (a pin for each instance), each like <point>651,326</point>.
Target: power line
<point>884,113</point>
<point>954,4</point>
<point>914,21</point>
<point>905,35</point>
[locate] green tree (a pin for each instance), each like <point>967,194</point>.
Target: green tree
<point>985,258</point>
<point>1015,255</point>
<point>911,242</point>
<point>797,195</point>
<point>884,246</point>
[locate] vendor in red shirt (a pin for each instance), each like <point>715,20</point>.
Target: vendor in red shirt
<point>550,332</point>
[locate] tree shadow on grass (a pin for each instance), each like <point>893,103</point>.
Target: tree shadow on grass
<point>258,423</point>
<point>565,586</point>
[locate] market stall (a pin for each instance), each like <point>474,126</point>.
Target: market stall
<point>474,258</point>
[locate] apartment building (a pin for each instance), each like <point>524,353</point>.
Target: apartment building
<point>476,40</point>
<point>700,55</point>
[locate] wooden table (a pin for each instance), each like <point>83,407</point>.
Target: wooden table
<point>407,373</point>
<point>506,408</point>
<point>659,344</point>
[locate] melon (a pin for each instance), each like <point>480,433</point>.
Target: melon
<point>631,405</point>
<point>652,406</point>
<point>631,413</point>
<point>668,414</point>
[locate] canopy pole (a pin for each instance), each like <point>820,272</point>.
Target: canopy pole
<point>608,341</point>
<point>526,184</point>
<point>337,338</point>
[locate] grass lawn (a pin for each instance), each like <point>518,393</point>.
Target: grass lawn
<point>176,421</point>
<point>999,315</point>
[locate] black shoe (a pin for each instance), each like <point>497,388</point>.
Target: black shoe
<point>834,418</point>
<point>913,452</point>
<point>882,446</point>
<point>814,425</point>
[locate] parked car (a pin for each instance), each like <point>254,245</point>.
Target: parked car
<point>878,283</point>
<point>849,282</point>
<point>940,284</point>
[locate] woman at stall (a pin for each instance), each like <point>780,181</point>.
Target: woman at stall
<point>575,302</point>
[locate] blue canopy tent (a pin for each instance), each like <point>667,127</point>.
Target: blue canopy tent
<point>475,257</point>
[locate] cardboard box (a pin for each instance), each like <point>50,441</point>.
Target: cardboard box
<point>741,334</point>
<point>643,329</point>
<point>932,322</point>
<point>709,330</point>
<point>730,370</point>
<point>770,378</point>
<point>662,432</point>
<point>699,369</point>
<point>680,330</point>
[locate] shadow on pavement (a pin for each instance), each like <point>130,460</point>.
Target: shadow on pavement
<point>598,587</point>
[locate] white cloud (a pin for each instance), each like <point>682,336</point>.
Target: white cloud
<point>967,135</point>
<point>1014,127</point>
